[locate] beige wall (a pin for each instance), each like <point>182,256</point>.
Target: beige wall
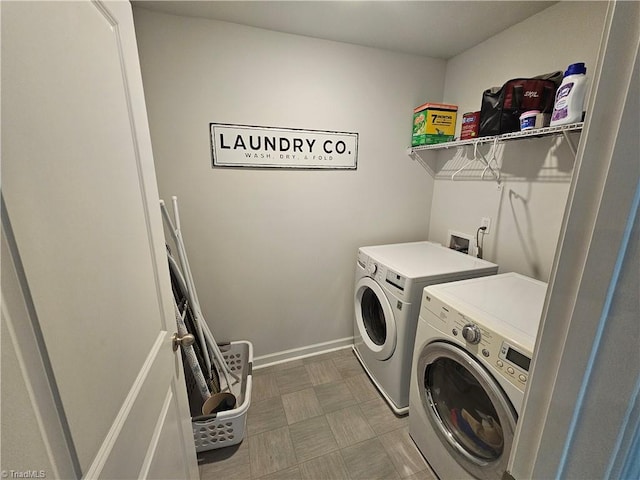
<point>273,251</point>
<point>527,211</point>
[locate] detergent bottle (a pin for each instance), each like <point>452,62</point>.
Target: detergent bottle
<point>570,96</point>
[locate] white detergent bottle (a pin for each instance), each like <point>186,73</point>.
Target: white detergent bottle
<point>570,96</point>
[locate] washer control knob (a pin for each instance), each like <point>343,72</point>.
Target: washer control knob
<point>471,333</point>
<point>373,268</point>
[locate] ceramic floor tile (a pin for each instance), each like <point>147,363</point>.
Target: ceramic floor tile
<point>292,473</point>
<point>301,427</point>
<point>293,379</point>
<point>334,396</point>
<point>301,405</point>
<point>312,438</point>
<point>279,367</point>
<point>323,372</point>
<point>368,461</point>
<point>271,452</point>
<point>327,467</point>
<point>403,453</point>
<point>381,417</point>
<point>362,388</point>
<point>230,463</point>
<point>349,426</point>
<point>348,365</point>
<point>266,415</point>
<point>344,352</point>
<point>264,387</point>
<point>328,356</point>
<point>423,475</point>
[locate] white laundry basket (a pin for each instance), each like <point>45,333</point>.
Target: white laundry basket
<point>227,428</point>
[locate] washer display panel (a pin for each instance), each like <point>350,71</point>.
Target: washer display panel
<point>374,318</point>
<point>467,408</point>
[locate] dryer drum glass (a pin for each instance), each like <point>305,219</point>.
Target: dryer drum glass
<point>373,317</point>
<point>463,406</point>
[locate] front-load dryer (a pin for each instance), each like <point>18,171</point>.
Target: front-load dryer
<point>388,287</point>
<point>473,350</point>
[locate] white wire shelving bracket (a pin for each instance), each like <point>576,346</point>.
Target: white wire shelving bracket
<point>414,152</point>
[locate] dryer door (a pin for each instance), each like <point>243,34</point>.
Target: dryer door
<point>374,318</point>
<point>467,408</point>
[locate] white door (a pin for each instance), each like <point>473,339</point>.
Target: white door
<point>87,317</point>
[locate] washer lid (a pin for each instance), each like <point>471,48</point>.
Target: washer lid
<point>508,301</point>
<point>426,259</point>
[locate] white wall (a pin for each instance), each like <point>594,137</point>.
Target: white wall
<point>289,238</point>
<point>527,212</point>
<point>273,251</point>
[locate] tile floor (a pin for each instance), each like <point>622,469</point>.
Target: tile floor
<point>318,418</point>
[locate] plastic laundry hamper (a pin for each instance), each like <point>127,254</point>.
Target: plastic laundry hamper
<point>226,428</point>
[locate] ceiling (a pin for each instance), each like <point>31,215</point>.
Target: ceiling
<point>438,29</point>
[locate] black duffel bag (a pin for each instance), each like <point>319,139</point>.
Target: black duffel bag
<point>502,106</point>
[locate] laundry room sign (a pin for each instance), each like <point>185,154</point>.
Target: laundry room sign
<point>269,147</point>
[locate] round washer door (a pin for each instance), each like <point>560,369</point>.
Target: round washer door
<point>374,318</point>
<point>467,408</point>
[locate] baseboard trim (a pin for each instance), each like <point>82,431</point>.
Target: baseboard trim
<point>301,352</point>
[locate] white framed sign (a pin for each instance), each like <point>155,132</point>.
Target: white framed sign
<point>270,147</point>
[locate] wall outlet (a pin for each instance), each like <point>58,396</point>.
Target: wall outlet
<point>486,222</point>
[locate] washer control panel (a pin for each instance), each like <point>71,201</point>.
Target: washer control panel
<point>512,361</point>
<point>514,356</point>
<point>471,333</point>
<point>383,275</point>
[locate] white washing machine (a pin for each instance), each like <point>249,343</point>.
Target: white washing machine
<point>473,350</point>
<point>388,287</point>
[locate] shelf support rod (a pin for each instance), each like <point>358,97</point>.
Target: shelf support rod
<point>572,147</point>
<point>415,156</point>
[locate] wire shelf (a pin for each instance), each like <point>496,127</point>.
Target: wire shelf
<point>537,132</point>
<point>486,166</point>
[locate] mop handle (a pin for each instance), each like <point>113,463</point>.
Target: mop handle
<point>190,355</point>
<point>190,289</point>
<point>176,214</point>
<point>185,264</point>
<point>202,326</point>
<point>165,214</point>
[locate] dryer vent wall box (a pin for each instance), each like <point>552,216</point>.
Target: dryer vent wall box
<point>461,242</point>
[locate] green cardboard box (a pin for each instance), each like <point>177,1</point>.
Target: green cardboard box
<point>433,123</point>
